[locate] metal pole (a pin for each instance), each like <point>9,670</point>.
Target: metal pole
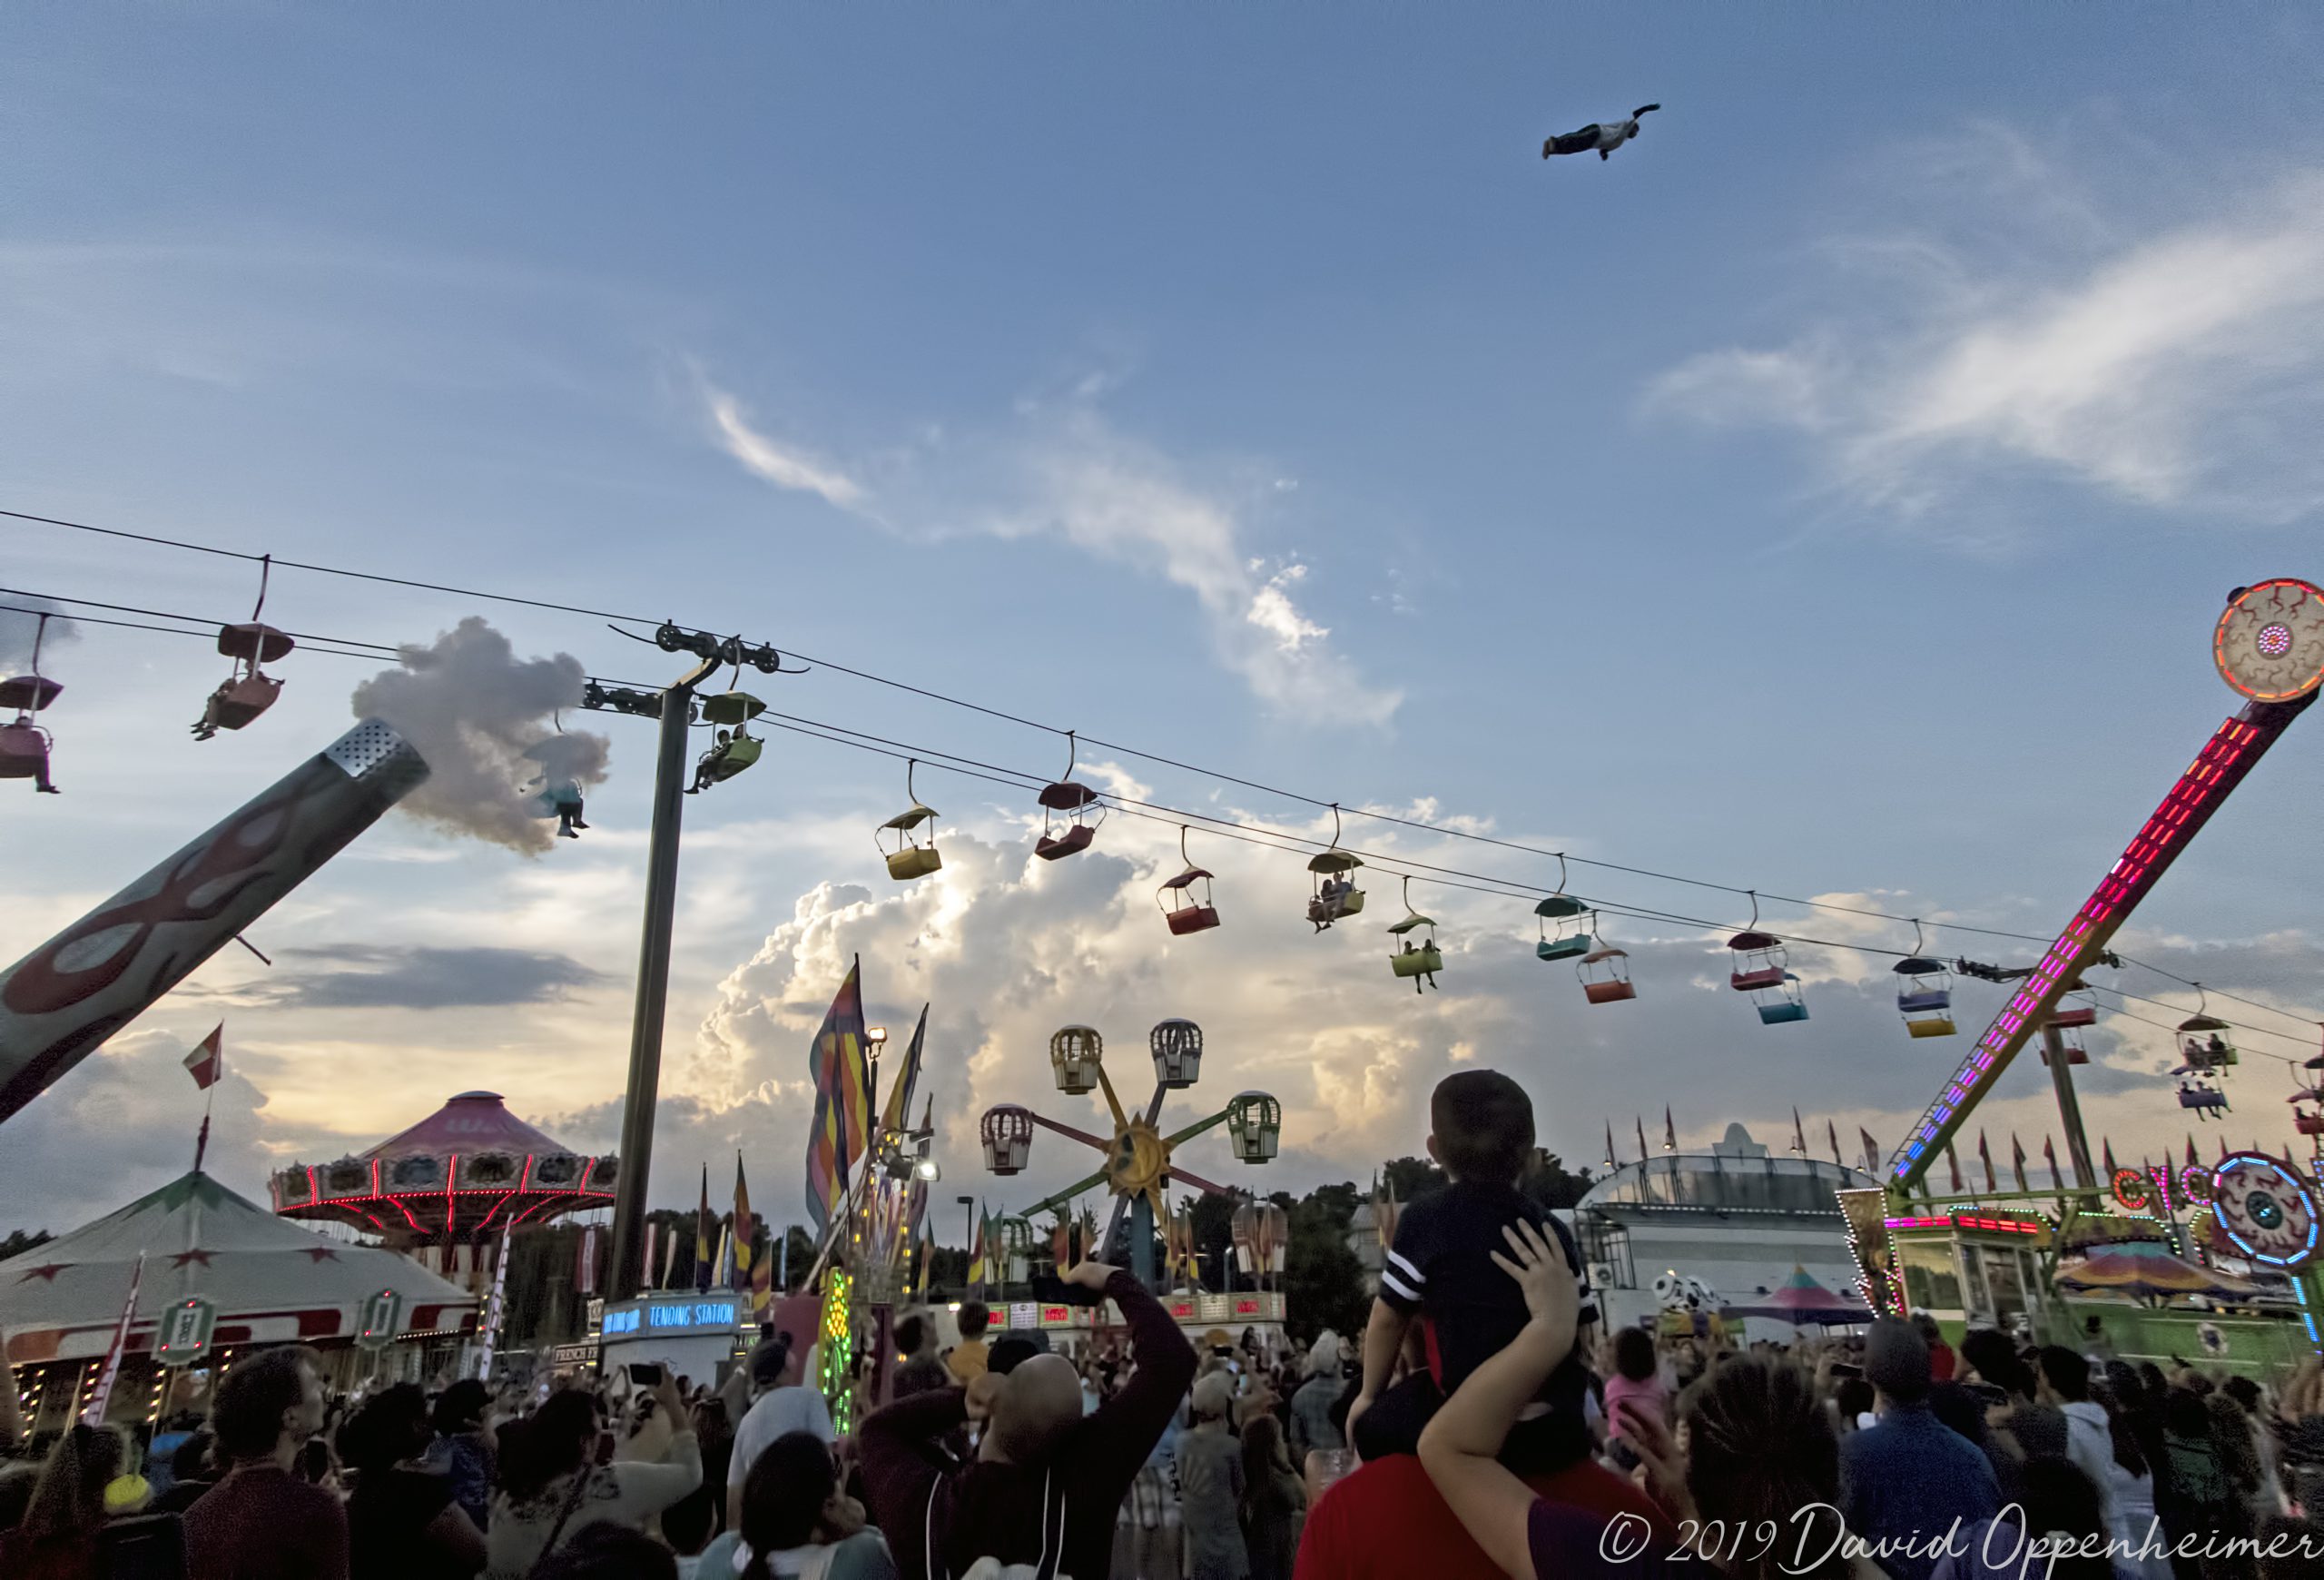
<point>1141,1240</point>
<point>628,1272</point>
<point>2053,1042</point>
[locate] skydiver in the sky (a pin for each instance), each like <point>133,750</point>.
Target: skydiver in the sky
<point>1605,136</point>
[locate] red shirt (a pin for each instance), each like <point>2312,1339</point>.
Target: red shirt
<point>1386,1521</point>
<point>1941,1361</point>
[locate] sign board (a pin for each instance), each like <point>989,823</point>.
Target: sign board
<point>379,1319</point>
<point>582,1354</point>
<point>1024,1314</point>
<point>184,1337</point>
<point>672,1316</point>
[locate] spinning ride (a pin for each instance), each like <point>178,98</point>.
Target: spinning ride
<point>1139,1157</point>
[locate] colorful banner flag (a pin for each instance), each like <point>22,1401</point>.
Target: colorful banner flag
<point>651,1227</point>
<point>898,1105</point>
<point>1871,1150</point>
<point>839,1131</point>
<point>95,1414</point>
<point>1985,1155</point>
<point>669,1256</point>
<point>762,1286</point>
<point>584,1267</point>
<point>705,1237</point>
<point>1954,1160</point>
<point>1384,1214</point>
<point>207,1063</point>
<point>2050,1151</point>
<point>743,1229</point>
<point>977,1238</point>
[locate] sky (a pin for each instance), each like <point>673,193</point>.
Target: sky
<point>1830,494</point>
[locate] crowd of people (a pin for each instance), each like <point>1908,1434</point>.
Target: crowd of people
<point>1484,1424</point>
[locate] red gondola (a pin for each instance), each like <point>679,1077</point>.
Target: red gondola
<point>1076,800</point>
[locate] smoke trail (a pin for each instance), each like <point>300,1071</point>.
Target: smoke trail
<point>482,718</point>
<point>16,629</point>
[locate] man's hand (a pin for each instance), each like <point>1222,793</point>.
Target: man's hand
<point>1090,1275</point>
<point>1542,1274</point>
<point>665,1395</point>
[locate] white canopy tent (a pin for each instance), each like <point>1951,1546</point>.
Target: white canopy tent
<point>271,1281</point>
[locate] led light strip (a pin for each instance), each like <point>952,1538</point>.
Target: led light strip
<point>2229,754</point>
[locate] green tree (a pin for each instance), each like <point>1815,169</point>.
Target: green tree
<point>1411,1177</point>
<point>1550,1182</point>
<point>19,1242</point>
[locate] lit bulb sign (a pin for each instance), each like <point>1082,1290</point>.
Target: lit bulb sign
<point>671,1316</point>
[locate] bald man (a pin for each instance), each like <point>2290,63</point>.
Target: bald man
<point>1047,1481</point>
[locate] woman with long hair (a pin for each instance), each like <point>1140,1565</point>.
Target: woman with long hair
<point>57,1538</point>
<point>557,1478</point>
<point>799,1522</point>
<point>1760,1449</point>
<point>1274,1498</point>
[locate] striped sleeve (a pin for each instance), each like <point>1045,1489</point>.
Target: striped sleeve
<point>1401,1283</point>
<point>1585,1297</point>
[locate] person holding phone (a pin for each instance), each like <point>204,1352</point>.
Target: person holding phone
<point>557,1475</point>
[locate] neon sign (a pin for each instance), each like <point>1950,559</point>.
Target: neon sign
<point>672,1317</point>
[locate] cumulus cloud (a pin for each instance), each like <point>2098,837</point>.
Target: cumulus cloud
<point>2175,363</point>
<point>1064,471</point>
<point>419,978</point>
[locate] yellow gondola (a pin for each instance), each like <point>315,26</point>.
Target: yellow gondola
<point>1419,961</point>
<point>910,859</point>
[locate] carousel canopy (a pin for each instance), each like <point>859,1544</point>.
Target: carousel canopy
<point>271,1281</point>
<point>469,1168</point>
<point>2146,1271</point>
<point>1804,1303</point>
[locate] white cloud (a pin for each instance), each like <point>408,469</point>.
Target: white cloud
<point>1062,470</point>
<point>785,466</point>
<point>2182,367</point>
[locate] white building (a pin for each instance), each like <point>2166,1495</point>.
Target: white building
<point>1735,1216</point>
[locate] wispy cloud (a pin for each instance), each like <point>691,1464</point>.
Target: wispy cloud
<point>2180,366</point>
<point>370,976</point>
<point>784,465</point>
<point>1063,471</point>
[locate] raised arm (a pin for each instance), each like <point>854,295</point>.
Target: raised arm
<point>1459,1449</point>
<point>1128,1425</point>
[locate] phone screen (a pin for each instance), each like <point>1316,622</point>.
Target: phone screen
<point>646,1373</point>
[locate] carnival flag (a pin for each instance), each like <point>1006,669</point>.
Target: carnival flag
<point>96,1414</point>
<point>1953,1159</point>
<point>898,1111</point>
<point>1985,1155</point>
<point>1641,1137</point>
<point>207,1063</point>
<point>705,1237</point>
<point>1798,1136</point>
<point>977,1238</point>
<point>1871,1150</point>
<point>669,1256</point>
<point>742,1227</point>
<point>651,1227</point>
<point>584,1267</point>
<point>1385,1215</point>
<point>1609,1145</point>
<point>1832,1133</point>
<point>2050,1151</point>
<point>761,1285</point>
<point>2017,1161</point>
<point>840,1130</point>
<point>1669,1131</point>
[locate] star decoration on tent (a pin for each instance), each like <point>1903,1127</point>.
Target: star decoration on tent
<point>183,1258</point>
<point>321,1254</point>
<point>48,1272</point>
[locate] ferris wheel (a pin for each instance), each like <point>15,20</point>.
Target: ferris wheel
<point>1138,1156</point>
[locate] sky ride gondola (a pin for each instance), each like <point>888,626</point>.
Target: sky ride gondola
<point>1419,961</point>
<point>1336,895</point>
<point>1181,910</point>
<point>1070,796</point>
<point>1566,923</point>
<point>1924,992</point>
<point>24,743</point>
<point>1759,970</point>
<point>1605,974</point>
<point>910,859</point>
<point>247,691</point>
<point>2202,1097</point>
<point>733,748</point>
<point>2204,1045</point>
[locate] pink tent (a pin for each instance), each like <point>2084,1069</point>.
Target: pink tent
<point>1804,1303</point>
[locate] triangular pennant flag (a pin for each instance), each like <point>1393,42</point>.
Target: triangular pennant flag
<point>2017,1161</point>
<point>2049,1153</point>
<point>1832,1133</point>
<point>1669,1131</point>
<point>1641,1137</point>
<point>1798,1136</point>
<point>207,1063</point>
<point>1985,1156</point>
<point>1871,1150</point>
<point>1953,1159</point>
<point>1609,1145</point>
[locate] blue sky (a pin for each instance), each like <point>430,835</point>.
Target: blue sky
<point>1831,493</point>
